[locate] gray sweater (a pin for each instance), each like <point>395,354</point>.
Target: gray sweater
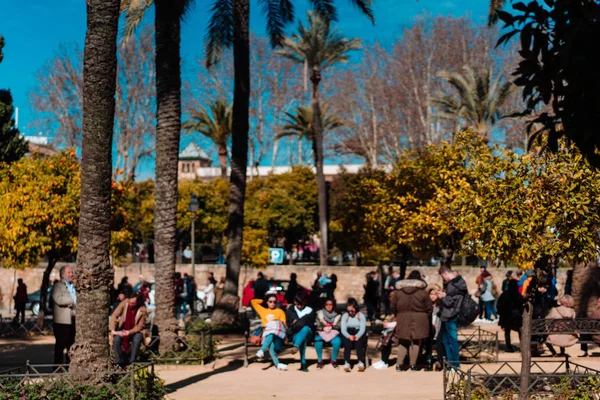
<point>359,321</point>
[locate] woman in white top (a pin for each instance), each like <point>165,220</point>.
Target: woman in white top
<point>207,293</point>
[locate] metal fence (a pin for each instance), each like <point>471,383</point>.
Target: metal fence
<point>11,327</point>
<point>190,348</point>
<point>478,344</point>
<point>489,380</point>
<point>45,379</point>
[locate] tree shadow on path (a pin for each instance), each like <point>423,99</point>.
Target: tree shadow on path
<point>231,366</point>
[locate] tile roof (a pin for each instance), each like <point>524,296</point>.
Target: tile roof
<point>193,152</point>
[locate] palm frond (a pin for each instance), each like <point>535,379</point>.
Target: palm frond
<point>214,122</point>
<point>275,22</point>
<point>325,9</point>
<point>135,11</point>
<point>219,33</point>
<point>365,7</point>
<point>495,6</point>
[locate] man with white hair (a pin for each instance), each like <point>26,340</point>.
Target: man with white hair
<point>65,299</point>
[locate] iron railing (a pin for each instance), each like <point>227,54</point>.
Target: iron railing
<point>120,384</point>
<point>11,327</point>
<point>478,343</point>
<point>501,379</point>
<point>190,348</point>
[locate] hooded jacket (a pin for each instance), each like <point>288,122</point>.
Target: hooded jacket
<point>412,306</point>
<point>455,290</point>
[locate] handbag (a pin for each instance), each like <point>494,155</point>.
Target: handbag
<point>255,337</point>
<point>328,336</point>
<point>386,340</point>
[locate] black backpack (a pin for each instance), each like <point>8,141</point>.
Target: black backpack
<point>468,311</point>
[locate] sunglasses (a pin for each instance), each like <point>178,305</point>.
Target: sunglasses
<point>271,302</point>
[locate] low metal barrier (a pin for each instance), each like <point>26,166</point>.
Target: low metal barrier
<point>489,380</point>
<point>189,348</point>
<point>478,343</point>
<point>43,379</point>
<point>11,327</point>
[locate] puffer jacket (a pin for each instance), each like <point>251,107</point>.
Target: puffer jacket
<point>455,290</point>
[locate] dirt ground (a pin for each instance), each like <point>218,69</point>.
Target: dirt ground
<point>228,379</point>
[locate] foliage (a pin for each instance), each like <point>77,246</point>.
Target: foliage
<point>39,209</point>
<point>300,122</point>
<point>556,69</point>
<point>582,390</point>
<point>285,206</point>
<point>480,102</point>
<point>351,197</point>
<point>255,248</point>
<point>12,145</point>
<point>147,386</point>
<point>211,218</point>
<point>213,122</point>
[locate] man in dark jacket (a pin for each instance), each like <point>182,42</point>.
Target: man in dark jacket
<point>261,286</point>
<point>455,289</point>
<point>301,325</point>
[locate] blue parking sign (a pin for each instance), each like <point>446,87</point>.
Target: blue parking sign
<point>276,256</point>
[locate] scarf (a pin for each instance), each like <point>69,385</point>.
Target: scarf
<point>329,317</point>
<point>128,324</point>
<point>303,312</point>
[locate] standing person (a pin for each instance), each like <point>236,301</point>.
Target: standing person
<point>65,301</point>
<point>21,300</point>
<point>370,296</point>
<point>328,331</point>
<point>127,324</point>
<point>219,290</point>
<point>261,286</point>
<point>191,288</point>
<point>208,294</point>
<point>187,254</point>
<point>412,306</point>
<point>509,277</point>
<point>455,290</point>
<point>178,287</point>
<point>510,309</point>
<point>124,285</point>
<point>273,322</point>
<point>389,287</point>
<point>301,326</point>
<point>488,296</point>
<point>541,305</point>
<point>479,282</point>
<point>563,311</point>
<point>292,289</point>
<point>436,327</point>
<point>331,287</point>
<point>354,329</point>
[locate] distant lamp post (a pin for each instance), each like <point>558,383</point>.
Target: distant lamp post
<point>193,207</point>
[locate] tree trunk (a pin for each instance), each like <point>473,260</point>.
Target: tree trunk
<point>223,160</point>
<point>93,272</point>
<point>227,309</point>
<point>44,291</point>
<point>318,154</point>
<point>580,273</point>
<point>168,127</point>
<point>526,350</point>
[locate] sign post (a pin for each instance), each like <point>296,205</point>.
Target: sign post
<point>276,258</point>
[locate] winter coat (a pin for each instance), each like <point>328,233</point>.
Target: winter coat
<point>321,323</point>
<point>306,320</point>
<point>486,290</point>
<point>510,307</point>
<point>455,291</point>
<point>562,340</point>
<point>412,306</point>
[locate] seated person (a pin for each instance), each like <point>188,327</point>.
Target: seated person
<point>563,311</point>
<point>328,331</point>
<point>126,327</point>
<point>354,329</point>
<point>386,342</point>
<point>273,322</point>
<point>301,325</point>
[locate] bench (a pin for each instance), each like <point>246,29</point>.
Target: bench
<point>246,322</point>
<point>585,327</point>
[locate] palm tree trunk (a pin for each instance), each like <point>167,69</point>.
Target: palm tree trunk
<point>223,160</point>
<point>318,154</point>
<point>227,309</point>
<point>94,273</point>
<point>168,128</point>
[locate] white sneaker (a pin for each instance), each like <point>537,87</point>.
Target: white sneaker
<point>360,366</point>
<point>282,367</point>
<point>347,367</point>
<point>380,365</point>
<point>260,354</point>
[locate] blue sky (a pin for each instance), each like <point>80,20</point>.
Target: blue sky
<point>34,29</point>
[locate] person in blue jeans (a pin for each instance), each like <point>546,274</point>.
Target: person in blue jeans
<point>488,297</point>
<point>455,289</point>
<point>328,331</point>
<point>301,326</point>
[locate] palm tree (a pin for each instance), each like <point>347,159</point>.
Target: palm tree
<point>495,6</point>
<point>215,124</point>
<point>228,28</point>
<point>300,123</point>
<point>318,47</point>
<point>167,25</point>
<point>94,272</point>
<point>480,100</point>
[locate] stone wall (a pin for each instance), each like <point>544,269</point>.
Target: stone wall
<point>350,279</point>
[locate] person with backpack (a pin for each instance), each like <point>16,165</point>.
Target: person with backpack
<point>510,309</point>
<point>455,303</point>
